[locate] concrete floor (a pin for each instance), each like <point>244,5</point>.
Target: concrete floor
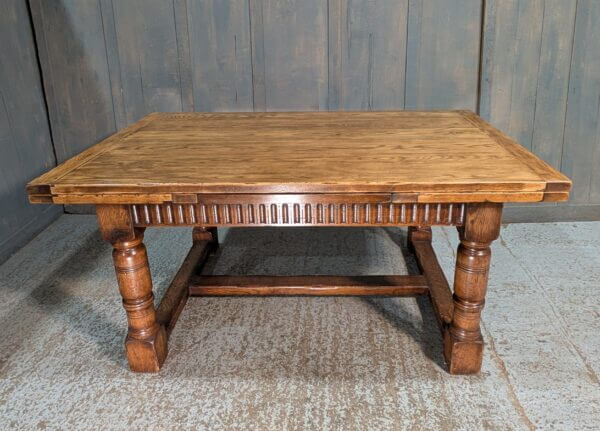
<point>301,363</point>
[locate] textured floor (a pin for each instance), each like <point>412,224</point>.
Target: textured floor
<point>301,363</point>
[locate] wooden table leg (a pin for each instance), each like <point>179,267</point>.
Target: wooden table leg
<point>146,342</point>
<point>207,234</point>
<point>417,233</point>
<point>463,344</point>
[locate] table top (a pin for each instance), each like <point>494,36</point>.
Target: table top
<point>434,156</point>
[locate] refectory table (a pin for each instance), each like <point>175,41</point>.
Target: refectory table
<point>415,169</point>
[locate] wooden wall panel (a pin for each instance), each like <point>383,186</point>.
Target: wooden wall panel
<point>553,80</point>
<point>221,64</point>
<point>581,152</point>
<point>370,64</point>
<point>25,143</point>
<point>525,71</point>
<point>442,58</point>
<point>512,40</point>
<point>70,41</point>
<point>148,57</point>
<point>184,53</point>
<point>295,54</point>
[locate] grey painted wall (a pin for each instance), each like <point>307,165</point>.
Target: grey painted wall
<point>530,67</point>
<point>25,143</point>
<point>540,83</point>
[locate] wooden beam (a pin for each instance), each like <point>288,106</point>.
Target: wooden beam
<point>308,285</point>
<point>439,290</point>
<point>175,297</point>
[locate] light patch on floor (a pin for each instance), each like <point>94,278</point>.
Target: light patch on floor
<point>301,363</point>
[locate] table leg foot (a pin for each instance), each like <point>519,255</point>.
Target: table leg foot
<point>147,355</point>
<point>462,357</point>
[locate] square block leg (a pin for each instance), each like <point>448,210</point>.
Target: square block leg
<point>462,357</point>
<point>147,355</point>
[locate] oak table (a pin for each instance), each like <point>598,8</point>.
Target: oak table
<point>415,169</point>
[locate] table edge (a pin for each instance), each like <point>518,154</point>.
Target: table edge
<point>553,185</point>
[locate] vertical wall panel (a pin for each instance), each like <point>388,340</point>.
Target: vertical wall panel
<point>581,153</point>
<point>112,59</point>
<point>148,57</point>
<point>257,41</point>
<point>512,40</point>
<point>221,55</point>
<point>553,80</point>
<point>295,54</point>
<point>373,54</point>
<point>25,143</point>
<point>442,59</point>
<point>186,80</point>
<point>336,10</point>
<point>72,51</point>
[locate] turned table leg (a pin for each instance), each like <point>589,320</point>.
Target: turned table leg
<point>146,342</point>
<point>463,344</point>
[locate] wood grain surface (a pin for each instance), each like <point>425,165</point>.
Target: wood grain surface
<point>437,156</point>
<point>316,285</point>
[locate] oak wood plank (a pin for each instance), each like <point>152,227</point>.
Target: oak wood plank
<point>409,189</point>
<point>439,289</point>
<point>555,181</point>
<point>556,196</point>
<point>522,196</point>
<point>175,296</point>
<point>428,156</point>
<point>127,198</point>
<point>64,168</point>
<point>311,285</point>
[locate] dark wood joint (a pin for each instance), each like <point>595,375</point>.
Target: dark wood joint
<point>208,234</point>
<point>115,222</point>
<point>418,233</point>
